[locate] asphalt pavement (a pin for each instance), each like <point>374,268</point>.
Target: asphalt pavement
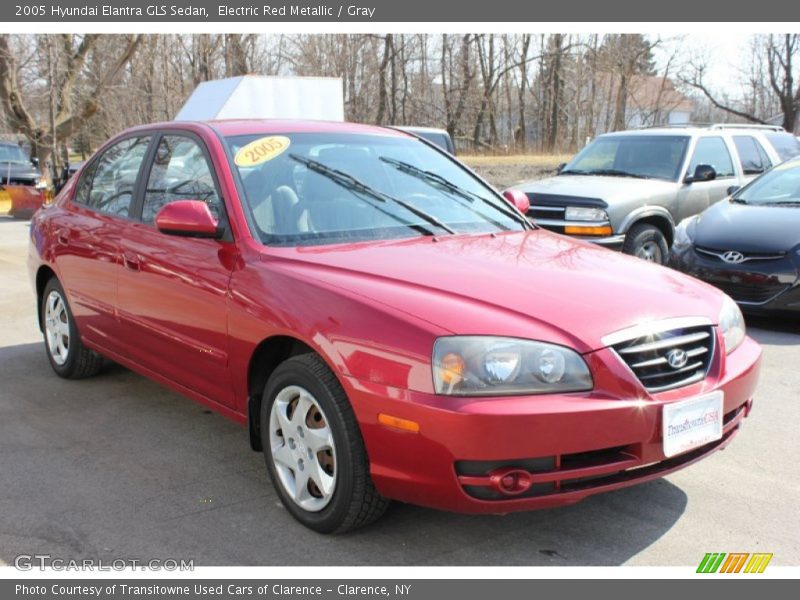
<point>117,466</point>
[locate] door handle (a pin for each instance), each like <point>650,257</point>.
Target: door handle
<point>131,262</point>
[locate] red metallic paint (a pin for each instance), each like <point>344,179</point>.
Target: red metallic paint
<point>191,218</point>
<point>518,199</point>
<point>190,313</point>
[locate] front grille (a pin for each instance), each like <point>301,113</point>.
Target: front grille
<point>746,256</point>
<point>669,359</point>
<point>541,211</point>
<point>750,293</point>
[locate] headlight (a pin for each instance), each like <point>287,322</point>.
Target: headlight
<point>684,232</point>
<point>585,213</point>
<point>495,366</point>
<point>41,184</point>
<point>731,323</point>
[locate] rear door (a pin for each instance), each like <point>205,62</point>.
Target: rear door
<point>173,290</point>
<point>89,233</point>
<point>695,197</point>
<point>753,159</point>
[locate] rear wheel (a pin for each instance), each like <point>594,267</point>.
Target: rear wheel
<point>646,242</point>
<point>313,448</point>
<point>65,351</point>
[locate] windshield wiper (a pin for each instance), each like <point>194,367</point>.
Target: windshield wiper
<point>781,203</point>
<point>436,179</point>
<point>574,172</point>
<point>739,201</point>
<point>615,173</point>
<point>347,181</point>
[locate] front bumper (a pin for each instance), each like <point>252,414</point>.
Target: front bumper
<point>571,446</point>
<point>768,286</point>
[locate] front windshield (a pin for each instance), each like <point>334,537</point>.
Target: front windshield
<point>780,186</point>
<point>315,188</point>
<point>12,154</point>
<point>639,156</point>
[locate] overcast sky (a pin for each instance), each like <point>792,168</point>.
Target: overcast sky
<point>725,52</point>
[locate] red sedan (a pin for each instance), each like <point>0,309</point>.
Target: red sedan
<point>382,321</point>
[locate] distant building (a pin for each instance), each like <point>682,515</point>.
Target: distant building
<point>654,100</point>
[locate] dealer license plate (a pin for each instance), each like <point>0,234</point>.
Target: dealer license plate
<point>692,423</point>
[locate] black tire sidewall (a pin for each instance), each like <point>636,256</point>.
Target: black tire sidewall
<point>68,367</point>
<point>330,518</point>
<point>640,235</point>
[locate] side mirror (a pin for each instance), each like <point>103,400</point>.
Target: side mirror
<point>188,218</point>
<point>733,189</point>
<point>518,199</point>
<point>702,173</point>
<point>35,161</point>
<point>560,167</point>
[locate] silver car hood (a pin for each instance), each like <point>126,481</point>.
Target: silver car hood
<point>609,189</point>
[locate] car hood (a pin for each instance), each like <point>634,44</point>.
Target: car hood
<point>535,285</point>
<point>608,189</point>
<point>748,227</point>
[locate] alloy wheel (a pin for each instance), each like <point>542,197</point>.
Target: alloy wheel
<point>56,325</point>
<point>302,448</point>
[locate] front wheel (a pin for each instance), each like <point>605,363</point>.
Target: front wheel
<point>65,351</point>
<point>646,242</point>
<point>313,448</point>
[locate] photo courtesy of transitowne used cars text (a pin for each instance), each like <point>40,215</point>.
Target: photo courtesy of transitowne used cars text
<point>382,321</point>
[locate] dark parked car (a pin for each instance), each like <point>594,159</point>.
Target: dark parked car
<point>21,185</point>
<point>749,246</point>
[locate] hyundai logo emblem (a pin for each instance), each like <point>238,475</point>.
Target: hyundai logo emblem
<point>733,257</point>
<point>677,358</point>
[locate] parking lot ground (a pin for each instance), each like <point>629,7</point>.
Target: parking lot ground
<point>118,467</point>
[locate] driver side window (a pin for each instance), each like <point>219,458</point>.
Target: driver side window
<point>180,171</point>
<point>108,184</point>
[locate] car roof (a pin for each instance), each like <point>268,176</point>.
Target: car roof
<point>692,131</point>
<point>229,127</point>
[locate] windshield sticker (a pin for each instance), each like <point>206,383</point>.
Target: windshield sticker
<point>261,150</point>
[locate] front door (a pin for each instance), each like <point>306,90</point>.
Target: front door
<point>697,196</point>
<point>173,291</point>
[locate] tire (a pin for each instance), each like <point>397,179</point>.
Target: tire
<point>324,446</point>
<point>646,242</point>
<point>68,356</point>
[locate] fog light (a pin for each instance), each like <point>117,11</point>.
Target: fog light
<point>511,481</point>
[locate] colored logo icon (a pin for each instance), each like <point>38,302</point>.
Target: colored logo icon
<point>734,562</point>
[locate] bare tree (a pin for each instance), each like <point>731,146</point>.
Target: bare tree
<point>780,54</point>
<point>75,94</point>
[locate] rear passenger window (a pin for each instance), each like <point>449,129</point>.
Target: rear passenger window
<point>786,145</point>
<point>712,151</point>
<point>180,171</point>
<point>753,158</point>
<point>107,185</point>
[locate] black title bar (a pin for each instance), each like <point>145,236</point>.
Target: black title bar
<point>468,11</point>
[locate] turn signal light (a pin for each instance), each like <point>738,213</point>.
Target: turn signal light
<point>587,230</point>
<point>398,423</point>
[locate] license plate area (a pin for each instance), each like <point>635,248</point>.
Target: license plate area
<point>691,423</point>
